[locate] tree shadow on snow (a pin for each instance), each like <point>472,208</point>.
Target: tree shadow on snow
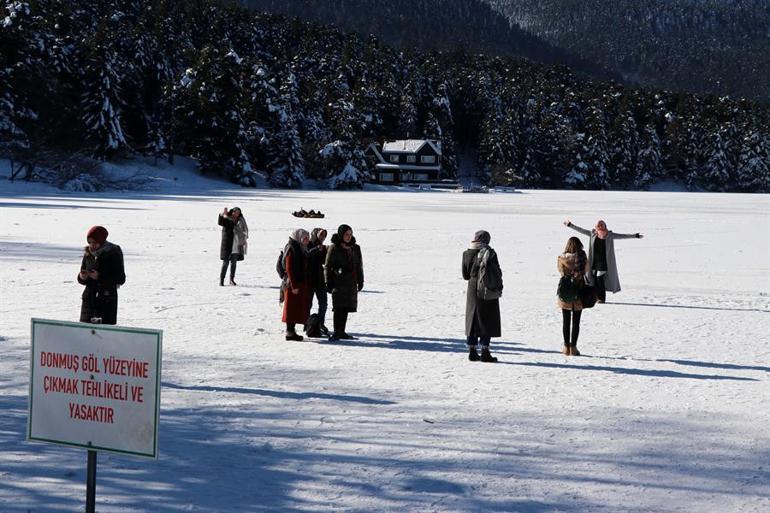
<point>32,251</point>
<point>279,394</point>
<point>429,344</point>
<point>693,307</point>
<point>634,372</point>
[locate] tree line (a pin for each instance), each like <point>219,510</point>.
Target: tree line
<point>251,94</point>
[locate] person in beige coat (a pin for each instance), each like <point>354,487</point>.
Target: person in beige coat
<point>572,266</point>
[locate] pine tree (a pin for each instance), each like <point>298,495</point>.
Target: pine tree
<point>753,172</point>
<point>102,100</point>
<point>287,166</point>
<point>624,149</point>
<point>648,160</point>
<point>717,170</point>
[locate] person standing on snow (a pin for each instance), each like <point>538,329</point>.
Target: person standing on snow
<point>235,233</point>
<point>482,317</point>
<point>601,257</point>
<point>102,272</point>
<point>344,275</point>
<point>316,257</point>
<point>296,304</point>
<point>573,265</point>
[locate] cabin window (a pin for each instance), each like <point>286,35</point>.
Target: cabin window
<point>387,177</point>
<point>421,177</point>
<point>428,159</point>
<point>394,158</point>
<point>411,159</point>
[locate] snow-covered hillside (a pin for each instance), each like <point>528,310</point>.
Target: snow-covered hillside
<point>667,411</point>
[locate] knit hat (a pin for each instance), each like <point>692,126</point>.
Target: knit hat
<point>482,236</point>
<point>98,234</point>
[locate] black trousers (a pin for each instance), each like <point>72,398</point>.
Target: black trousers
<point>570,317</point>
<point>340,320</point>
<point>601,292</point>
<point>232,262</point>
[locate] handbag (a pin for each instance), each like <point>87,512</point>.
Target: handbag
<point>588,296</point>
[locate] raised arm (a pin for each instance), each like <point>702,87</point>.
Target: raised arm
<point>627,235</point>
<point>570,224</point>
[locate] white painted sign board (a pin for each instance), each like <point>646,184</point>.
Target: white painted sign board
<point>95,386</point>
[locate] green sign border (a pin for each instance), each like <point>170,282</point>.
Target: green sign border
<point>97,327</point>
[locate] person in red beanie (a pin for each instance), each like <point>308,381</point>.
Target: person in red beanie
<point>102,272</point>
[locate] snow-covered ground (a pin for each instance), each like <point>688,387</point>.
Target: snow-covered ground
<point>667,411</point>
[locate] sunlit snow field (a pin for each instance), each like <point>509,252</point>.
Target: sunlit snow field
<point>667,411</point>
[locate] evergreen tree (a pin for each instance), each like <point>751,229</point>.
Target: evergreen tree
<point>648,160</point>
<point>753,172</point>
<point>287,166</point>
<point>102,100</point>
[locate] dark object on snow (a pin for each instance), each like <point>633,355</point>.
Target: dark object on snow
<point>313,326</point>
<point>309,214</point>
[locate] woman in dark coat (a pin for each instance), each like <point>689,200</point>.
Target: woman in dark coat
<point>296,305</point>
<point>482,317</point>
<point>573,263</point>
<point>235,233</point>
<point>344,274</point>
<point>316,257</point>
<point>102,272</point>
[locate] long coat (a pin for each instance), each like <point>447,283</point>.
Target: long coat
<point>611,279</point>
<point>296,307</point>
<point>228,235</point>
<point>485,313</point>
<point>315,268</point>
<point>344,274</point>
<point>100,297</point>
<point>566,264</point>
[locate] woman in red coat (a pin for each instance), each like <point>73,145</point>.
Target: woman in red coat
<point>296,305</point>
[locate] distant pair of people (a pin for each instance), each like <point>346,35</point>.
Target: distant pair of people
<point>598,269</point>
<point>482,308</point>
<point>313,269</point>
<point>235,235</point>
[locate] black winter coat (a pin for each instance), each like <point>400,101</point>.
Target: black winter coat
<point>485,314</point>
<point>228,234</point>
<point>100,297</point>
<point>344,274</point>
<point>316,254</point>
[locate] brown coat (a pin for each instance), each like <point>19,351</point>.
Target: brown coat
<point>566,265</point>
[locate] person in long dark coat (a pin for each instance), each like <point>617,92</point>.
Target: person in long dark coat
<point>296,304</point>
<point>235,233</point>
<point>574,264</point>
<point>482,317</point>
<point>102,272</point>
<point>316,258</point>
<point>344,275</point>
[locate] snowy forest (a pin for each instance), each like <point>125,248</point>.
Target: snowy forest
<point>250,94</point>
<point>715,46</point>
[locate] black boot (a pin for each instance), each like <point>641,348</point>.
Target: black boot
<point>294,336</point>
<point>486,356</point>
<point>473,355</point>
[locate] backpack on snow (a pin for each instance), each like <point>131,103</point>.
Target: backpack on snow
<point>313,326</point>
<point>489,282</point>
